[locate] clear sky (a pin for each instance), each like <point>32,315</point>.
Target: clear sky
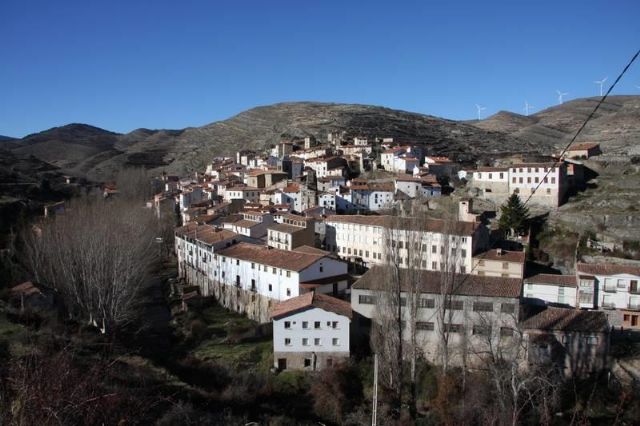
<point>121,65</point>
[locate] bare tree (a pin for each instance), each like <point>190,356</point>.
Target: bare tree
<point>98,256</point>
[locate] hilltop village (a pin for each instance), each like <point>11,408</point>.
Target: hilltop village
<point>308,236</point>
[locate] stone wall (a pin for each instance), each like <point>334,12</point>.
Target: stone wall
<point>315,360</point>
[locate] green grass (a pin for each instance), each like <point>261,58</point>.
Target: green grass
<point>229,340</point>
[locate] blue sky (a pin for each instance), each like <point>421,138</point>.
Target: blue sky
<point>121,65</point>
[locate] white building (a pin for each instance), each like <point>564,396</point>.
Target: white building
<point>416,187</point>
<point>252,224</point>
<point>368,239</point>
<point>551,289</point>
<point>611,287</point>
<point>311,332</point>
<point>249,194</point>
<point>373,196</point>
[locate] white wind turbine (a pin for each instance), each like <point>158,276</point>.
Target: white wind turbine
<point>601,83</point>
<point>561,95</point>
<point>480,108</point>
<point>527,107</point>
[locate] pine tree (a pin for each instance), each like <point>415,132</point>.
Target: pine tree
<point>513,215</point>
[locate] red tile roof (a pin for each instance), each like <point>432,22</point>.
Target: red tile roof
<point>607,269</point>
<point>464,284</point>
<point>311,300</point>
<point>552,279</point>
<point>423,224</point>
<point>290,260</point>
<point>502,255</point>
<point>584,146</point>
<point>566,319</point>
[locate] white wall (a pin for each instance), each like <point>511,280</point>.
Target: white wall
<point>325,333</point>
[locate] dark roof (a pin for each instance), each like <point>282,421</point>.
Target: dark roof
<point>552,279</point>
<point>311,300</point>
<point>291,260</point>
<point>283,227</point>
<point>567,319</point>
<point>422,224</point>
<point>502,255</point>
<point>607,269</point>
<point>464,284</point>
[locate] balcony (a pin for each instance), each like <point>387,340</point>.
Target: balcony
<point>608,305</point>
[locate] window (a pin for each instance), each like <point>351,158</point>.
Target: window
<point>335,341</point>
<point>506,332</point>
<point>403,301</point>
<point>591,340</point>
<point>307,362</point>
<point>434,265</point>
<point>426,303</point>
<point>237,261</point>
<point>270,287</point>
<point>482,306</point>
<point>287,324</point>
<point>434,249</point>
<point>287,341</point>
<point>253,265</point>
<point>273,270</point>
<point>321,268</point>
<point>288,292</point>
<point>365,299</point>
<point>425,326</point>
<point>463,253</point>
<point>513,180</point>
<point>621,285</point>
<point>454,305</point>
<point>316,341</point>
<point>482,330</point>
<point>305,341</point>
<point>507,308</point>
<point>453,328</point>
<point>463,270</point>
<point>334,324</point>
<point>305,324</point>
<point>316,325</point>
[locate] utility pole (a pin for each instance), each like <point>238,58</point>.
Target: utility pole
<point>374,410</point>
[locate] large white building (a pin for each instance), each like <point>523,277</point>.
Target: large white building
<point>370,239</point>
<point>311,332</point>
<point>549,180</point>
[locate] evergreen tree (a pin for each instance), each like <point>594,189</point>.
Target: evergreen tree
<point>513,215</point>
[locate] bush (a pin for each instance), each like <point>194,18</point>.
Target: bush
<point>336,392</point>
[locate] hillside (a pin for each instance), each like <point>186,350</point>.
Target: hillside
<point>98,154</point>
<point>609,205</point>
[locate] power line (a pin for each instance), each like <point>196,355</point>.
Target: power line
<point>584,124</point>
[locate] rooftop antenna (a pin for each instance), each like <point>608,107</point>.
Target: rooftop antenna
<point>601,83</point>
<point>561,95</point>
<point>480,108</point>
<point>527,107</point>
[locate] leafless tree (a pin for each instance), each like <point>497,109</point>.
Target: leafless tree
<point>98,256</point>
<point>134,184</point>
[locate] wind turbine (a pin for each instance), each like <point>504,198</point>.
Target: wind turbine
<point>527,107</point>
<point>480,108</point>
<point>600,82</point>
<point>561,95</point>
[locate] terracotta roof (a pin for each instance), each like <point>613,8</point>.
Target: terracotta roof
<point>292,187</point>
<point>584,146</point>
<point>27,288</point>
<point>566,319</point>
<point>311,300</point>
<point>312,250</point>
<point>524,165</point>
<point>465,285</point>
<point>290,260</point>
<point>283,227</point>
<point>374,186</point>
<point>246,223</point>
<point>607,269</point>
<point>553,279</point>
<point>492,169</point>
<point>424,224</point>
<point>502,255</point>
<point>205,233</point>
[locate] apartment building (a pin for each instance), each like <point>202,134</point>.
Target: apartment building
<point>480,312</point>
<point>248,278</point>
<point>247,193</point>
<point>499,263</point>
<point>549,180</point>
<point>438,244</point>
<point>291,232</point>
<point>373,196</point>
<point>613,288</point>
<point>311,332</point>
<point>252,224</point>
